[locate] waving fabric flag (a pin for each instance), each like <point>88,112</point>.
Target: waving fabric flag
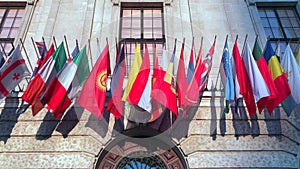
<point>243,80</point>
<point>42,52</point>
<point>116,105</point>
<point>93,93</point>
<point>278,76</point>
<point>258,84</point>
<point>137,62</point>
<point>56,97</point>
<point>226,76</point>
<point>181,80</point>
<point>191,66</point>
<point>141,88</point>
<point>292,71</point>
<point>13,71</point>
<point>265,72</point>
<point>200,77</point>
<point>157,77</point>
<point>42,79</point>
<point>164,90</point>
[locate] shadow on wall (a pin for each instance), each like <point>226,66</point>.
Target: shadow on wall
<point>9,116</point>
<point>242,125</point>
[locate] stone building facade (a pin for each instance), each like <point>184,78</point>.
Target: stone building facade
<point>207,138</point>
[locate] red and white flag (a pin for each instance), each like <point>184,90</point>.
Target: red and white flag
<point>13,71</point>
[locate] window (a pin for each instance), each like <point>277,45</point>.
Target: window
<point>282,25</point>
<point>141,23</point>
<point>11,15</point>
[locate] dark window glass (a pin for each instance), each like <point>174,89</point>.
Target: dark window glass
<point>281,25</point>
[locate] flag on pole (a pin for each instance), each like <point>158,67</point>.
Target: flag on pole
<point>42,52</point>
<point>13,71</point>
<point>259,87</point>
<point>278,77</point>
<point>199,56</point>
<point>157,77</point>
<point>56,97</point>
<point>116,105</point>
<point>243,80</point>
<point>140,91</point>
<point>191,66</point>
<point>164,90</point>
<point>93,93</point>
<point>181,81</point>
<point>200,77</point>
<point>42,79</point>
<point>137,62</point>
<point>265,72</point>
<point>226,76</point>
<point>292,71</point>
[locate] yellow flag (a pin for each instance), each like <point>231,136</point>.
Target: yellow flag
<point>137,62</point>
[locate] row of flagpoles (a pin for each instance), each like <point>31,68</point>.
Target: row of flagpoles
<point>58,78</point>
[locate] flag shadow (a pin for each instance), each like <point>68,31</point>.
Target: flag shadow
<point>47,127</point>
<point>240,121</point>
<point>9,117</point>
<point>273,123</point>
<point>70,120</point>
<point>99,126</point>
<point>181,126</point>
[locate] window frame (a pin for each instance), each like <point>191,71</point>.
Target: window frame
<point>141,41</point>
<point>274,6</point>
<point>7,6</point>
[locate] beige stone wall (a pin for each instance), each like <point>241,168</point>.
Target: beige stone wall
<point>213,140</point>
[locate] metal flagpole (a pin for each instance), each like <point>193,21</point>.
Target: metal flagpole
<point>26,54</point>
<point>34,46</point>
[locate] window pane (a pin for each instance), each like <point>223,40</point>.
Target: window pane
<point>269,32</point>
<point>126,23</point>
<point>277,32</point>
<point>126,13</point>
<point>147,23</point>
<point>281,13</point>
<point>13,32</point>
<point>262,13</point>
<point>136,13</point>
<point>291,13</point>
<point>157,13</point>
<point>12,13</point>
<point>147,13</point>
<point>136,33</point>
<point>295,22</point>
<point>265,22</point>
<point>136,23</point>
<point>270,13</point>
<point>4,33</point>
<point>2,11</point>
<point>274,22</point>
<point>17,22</point>
<point>148,33</point>
<point>157,23</point>
<point>21,13</point>
<point>285,22</point>
<point>8,22</point>
<point>290,33</point>
<point>126,33</point>
<point>158,33</point>
<point>297,30</point>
